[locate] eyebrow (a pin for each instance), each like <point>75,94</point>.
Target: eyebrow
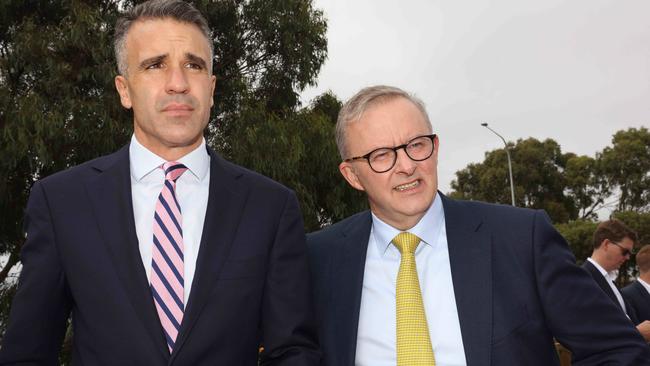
<point>196,59</point>
<point>189,56</point>
<point>153,60</point>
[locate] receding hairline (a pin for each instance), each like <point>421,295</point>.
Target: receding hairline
<point>178,10</point>
<point>144,20</point>
<point>366,99</point>
<point>208,56</point>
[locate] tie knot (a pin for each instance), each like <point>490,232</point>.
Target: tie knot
<point>173,170</point>
<point>406,242</point>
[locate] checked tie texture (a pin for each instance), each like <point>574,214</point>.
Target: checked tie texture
<point>413,342</point>
<point>167,262</point>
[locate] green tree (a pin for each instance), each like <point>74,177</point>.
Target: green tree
<point>626,166</point>
<point>537,168</point>
<point>637,221</point>
<point>56,67</point>
<point>266,52</point>
<point>579,234</point>
<point>586,185</point>
<point>300,151</point>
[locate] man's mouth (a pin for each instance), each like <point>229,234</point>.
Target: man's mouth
<point>407,186</point>
<point>174,107</point>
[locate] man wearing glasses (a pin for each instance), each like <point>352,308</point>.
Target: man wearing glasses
<point>422,279</point>
<point>614,245</point>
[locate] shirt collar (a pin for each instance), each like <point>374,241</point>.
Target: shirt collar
<point>611,275</point>
<point>427,229</point>
<point>143,161</point>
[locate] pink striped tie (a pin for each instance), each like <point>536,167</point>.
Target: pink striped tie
<point>167,275</point>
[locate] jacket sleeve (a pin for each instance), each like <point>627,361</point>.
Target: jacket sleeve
<point>288,325</point>
<point>578,312</point>
<point>42,303</point>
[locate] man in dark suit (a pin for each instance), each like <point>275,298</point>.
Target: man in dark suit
<point>163,252</point>
<point>421,278</point>
<point>613,244</point>
<point>637,294</point>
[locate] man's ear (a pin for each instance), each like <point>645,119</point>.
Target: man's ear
<point>605,243</point>
<point>436,147</point>
<point>123,90</point>
<point>214,84</point>
<point>350,175</point>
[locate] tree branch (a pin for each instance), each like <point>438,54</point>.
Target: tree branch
<point>14,258</point>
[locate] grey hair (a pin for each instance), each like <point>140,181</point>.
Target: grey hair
<point>157,9</point>
<point>354,108</point>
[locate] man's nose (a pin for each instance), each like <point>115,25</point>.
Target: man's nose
<point>176,81</point>
<point>403,162</point>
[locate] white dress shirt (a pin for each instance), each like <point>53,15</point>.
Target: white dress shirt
<point>147,178</point>
<point>610,277</point>
<point>376,339</point>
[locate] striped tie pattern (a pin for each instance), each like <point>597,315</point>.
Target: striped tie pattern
<point>413,342</point>
<point>167,262</point>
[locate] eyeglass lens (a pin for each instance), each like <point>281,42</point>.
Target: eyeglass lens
<point>384,159</point>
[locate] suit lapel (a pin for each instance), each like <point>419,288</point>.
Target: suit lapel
<point>226,203</point>
<point>470,257</point>
<point>110,197</point>
<point>643,293</point>
<point>602,282</point>
<point>347,283</point>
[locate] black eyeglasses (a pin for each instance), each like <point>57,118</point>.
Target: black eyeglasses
<point>624,251</point>
<point>383,159</point>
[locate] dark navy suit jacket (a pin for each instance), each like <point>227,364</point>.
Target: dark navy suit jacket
<point>602,283</point>
<point>638,299</point>
<point>516,286</point>
<point>82,257</point>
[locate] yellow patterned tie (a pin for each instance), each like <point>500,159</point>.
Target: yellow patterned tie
<point>413,342</point>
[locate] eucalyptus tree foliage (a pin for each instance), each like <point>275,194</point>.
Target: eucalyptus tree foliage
<point>566,185</point>
<point>537,168</point>
<point>626,167</point>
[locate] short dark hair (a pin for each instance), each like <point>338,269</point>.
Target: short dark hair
<point>157,9</point>
<point>613,230</point>
<point>643,259</point>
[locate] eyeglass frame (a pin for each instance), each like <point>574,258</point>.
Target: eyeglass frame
<point>624,251</point>
<point>395,148</point>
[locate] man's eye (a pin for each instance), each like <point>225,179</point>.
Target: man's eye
<point>156,65</point>
<point>194,66</point>
<point>380,155</point>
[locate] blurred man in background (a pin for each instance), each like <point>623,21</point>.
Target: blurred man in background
<point>613,245</point>
<point>637,294</point>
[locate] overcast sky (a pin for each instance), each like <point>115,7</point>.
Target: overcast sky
<point>576,71</point>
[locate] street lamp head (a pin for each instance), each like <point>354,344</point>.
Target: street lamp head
<point>512,185</point>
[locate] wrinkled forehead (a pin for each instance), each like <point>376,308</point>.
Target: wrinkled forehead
<point>383,100</point>
<point>158,34</point>
<point>388,105</point>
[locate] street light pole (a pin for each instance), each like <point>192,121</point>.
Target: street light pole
<point>512,184</point>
